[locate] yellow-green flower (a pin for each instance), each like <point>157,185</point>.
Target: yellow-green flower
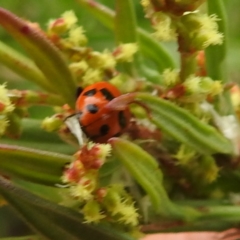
<point>83,190</point>
<point>201,30</point>
<point>203,85</point>
<point>78,68</point>
<point>120,205</point>
<point>164,27</point>
<point>92,212</point>
<point>62,24</point>
<point>5,104</point>
<point>77,37</point>
<point>184,154</point>
<point>51,124</point>
<point>92,76</point>
<point>70,18</point>
<point>6,107</point>
<point>103,60</point>
<point>170,77</point>
<point>125,52</point>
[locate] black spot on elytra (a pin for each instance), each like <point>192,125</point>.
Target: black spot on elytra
<point>104,129</point>
<point>108,96</point>
<point>92,108</point>
<point>122,120</point>
<point>78,91</point>
<point>90,93</point>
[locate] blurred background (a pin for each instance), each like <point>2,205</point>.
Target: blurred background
<point>99,38</point>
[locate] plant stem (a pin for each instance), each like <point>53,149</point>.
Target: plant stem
<point>188,65</point>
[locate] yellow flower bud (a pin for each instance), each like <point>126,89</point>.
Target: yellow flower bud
<point>77,37</point>
<point>92,212</point>
<point>125,52</point>
<point>170,77</point>
<point>70,18</point>
<point>201,30</point>
<point>51,124</point>
<point>92,76</point>
<point>5,103</point>
<point>164,27</point>
<point>62,24</point>
<point>103,60</point>
<point>6,107</point>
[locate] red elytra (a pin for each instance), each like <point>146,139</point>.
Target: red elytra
<point>98,122</point>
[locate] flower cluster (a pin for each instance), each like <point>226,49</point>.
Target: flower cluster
<point>200,31</point>
<point>6,107</point>
<point>87,66</point>
<point>98,202</point>
<point>193,89</point>
<point>178,19</point>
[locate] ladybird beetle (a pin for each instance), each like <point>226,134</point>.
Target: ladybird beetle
<point>98,122</point>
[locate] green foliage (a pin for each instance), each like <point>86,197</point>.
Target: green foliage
<point>182,142</point>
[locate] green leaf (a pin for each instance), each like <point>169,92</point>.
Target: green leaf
<point>144,168</point>
<point>125,22</point>
<point>31,164</point>
<point>216,56</point>
<point>32,237</point>
<point>155,51</point>
<point>148,46</point>
<point>53,221</point>
<point>23,66</point>
<point>28,98</point>
<point>34,137</point>
<point>184,127</point>
<point>46,56</point>
<point>125,28</point>
<point>51,193</point>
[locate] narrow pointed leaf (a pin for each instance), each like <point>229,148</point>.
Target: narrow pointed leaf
<point>53,221</point>
<point>148,45</point>
<point>125,28</point>
<point>28,98</point>
<point>125,22</point>
<point>34,137</point>
<point>31,164</point>
<point>144,168</point>
<point>183,126</point>
<point>32,237</point>
<point>46,56</point>
<point>23,66</point>
<point>152,49</point>
<point>216,55</point>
